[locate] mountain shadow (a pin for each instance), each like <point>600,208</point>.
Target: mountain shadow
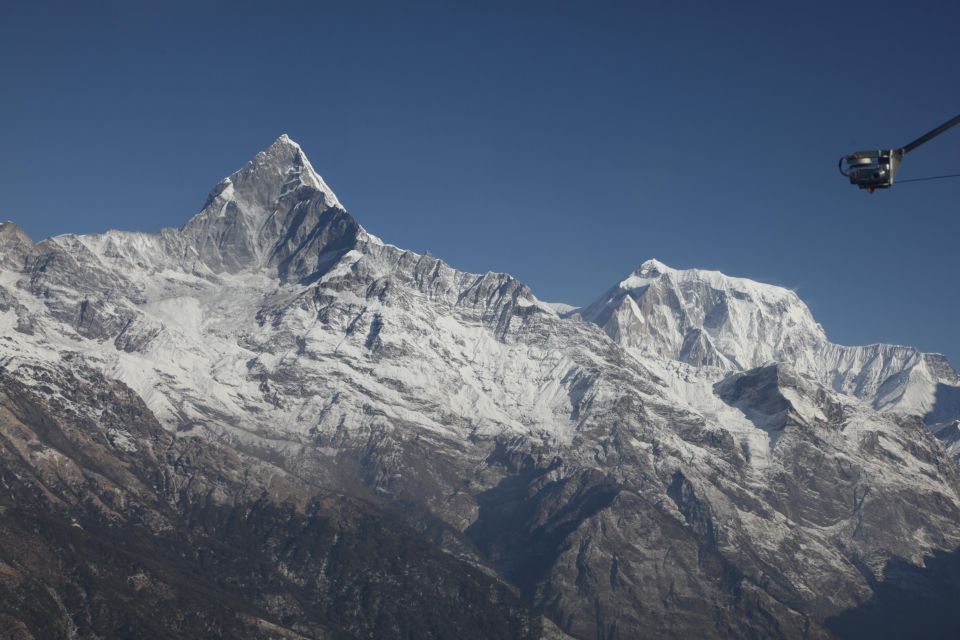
<point>910,602</point>
<point>524,521</point>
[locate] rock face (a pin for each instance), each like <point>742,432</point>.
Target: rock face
<point>328,436</point>
<point>112,526</point>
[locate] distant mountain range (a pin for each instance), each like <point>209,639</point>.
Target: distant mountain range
<point>269,423</point>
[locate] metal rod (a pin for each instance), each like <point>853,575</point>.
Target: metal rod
<point>932,134</point>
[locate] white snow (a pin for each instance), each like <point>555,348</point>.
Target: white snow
<point>748,323</point>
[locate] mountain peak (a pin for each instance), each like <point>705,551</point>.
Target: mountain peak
<point>263,205</point>
<point>705,317</point>
<point>652,268</point>
<point>14,244</point>
<point>286,153</point>
<point>286,158</point>
<point>653,265</point>
<point>283,151</point>
<point>286,139</point>
<point>9,227</point>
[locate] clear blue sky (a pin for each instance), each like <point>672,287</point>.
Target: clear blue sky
<point>564,143</point>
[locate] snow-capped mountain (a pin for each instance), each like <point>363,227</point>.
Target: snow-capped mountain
<point>710,320</point>
<point>689,456</point>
